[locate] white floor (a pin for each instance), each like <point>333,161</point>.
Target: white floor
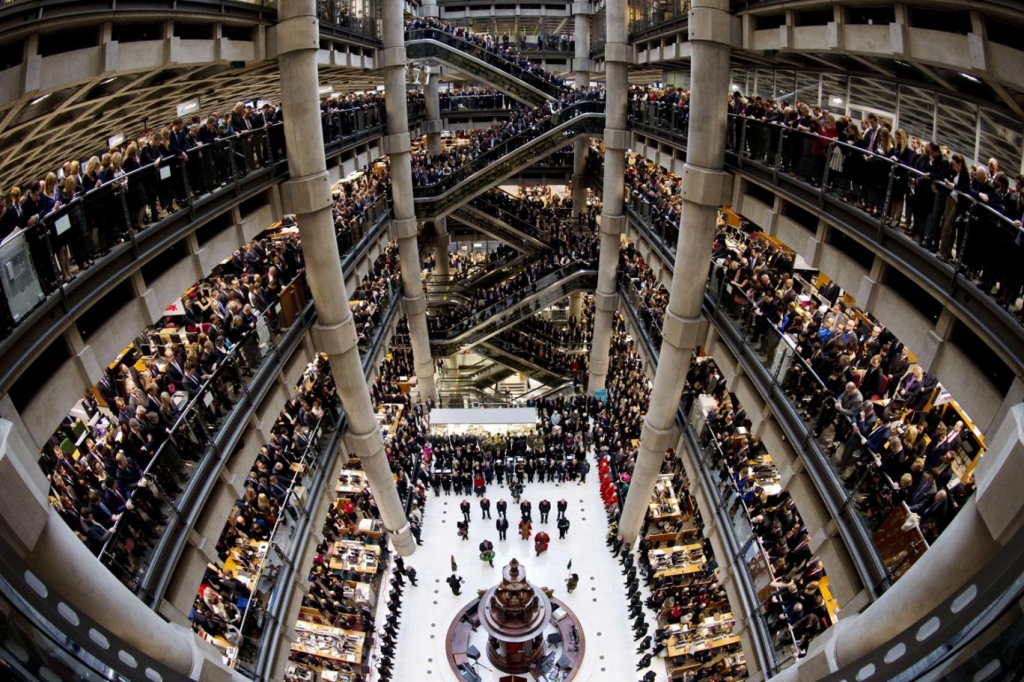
<point>599,601</point>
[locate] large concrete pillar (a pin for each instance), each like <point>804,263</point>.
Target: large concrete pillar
<point>37,536</point>
<point>308,194</point>
<point>433,127</point>
<point>581,66</point>
<point>618,54</point>
<point>989,521</point>
<point>576,306</point>
<point>705,188</point>
<point>396,146</point>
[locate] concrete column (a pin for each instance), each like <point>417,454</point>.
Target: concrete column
<point>441,241</point>
<point>576,305</point>
<point>396,146</point>
<point>310,197</point>
<point>433,125</point>
<point>581,74</point>
<point>618,56</point>
<point>705,188</point>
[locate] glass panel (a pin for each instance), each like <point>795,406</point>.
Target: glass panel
<point>807,88</point>
<point>1001,139</point>
<point>785,85</point>
<point>917,112</point>
<point>738,81</point>
<point>765,83</point>
<point>957,126</point>
<point>833,93</point>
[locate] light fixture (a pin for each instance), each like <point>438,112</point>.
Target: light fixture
<point>970,77</point>
<point>837,101</point>
<point>39,99</point>
<point>108,80</point>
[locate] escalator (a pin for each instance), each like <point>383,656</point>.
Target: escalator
<point>473,60</point>
<point>490,321</point>
<point>462,289</point>
<point>481,216</point>
<point>583,119</point>
<point>514,358</point>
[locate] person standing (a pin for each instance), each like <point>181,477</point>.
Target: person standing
<point>463,531</point>
<point>465,507</point>
<point>545,509</point>
<point>502,506</point>
<point>525,509</point>
<point>563,527</point>
<point>455,582</point>
<point>410,573</point>
<point>562,506</point>
<point>571,582</point>
<point>502,525</point>
<point>525,529</point>
<point>487,552</point>
<point>455,566</point>
<point>485,509</point>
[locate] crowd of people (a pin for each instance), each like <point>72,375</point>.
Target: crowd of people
<point>138,433</point>
<point>264,504</point>
<point>470,99</point>
<point>923,188</point>
<point>467,265</point>
<point>796,607</point>
<point>548,217</point>
<point>847,363</point>
<point>581,250</point>
<point>77,213</point>
<point>334,598</point>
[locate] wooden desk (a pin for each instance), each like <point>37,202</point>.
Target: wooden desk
<point>654,554</point>
<point>329,642</point>
<point>668,507</point>
<point>351,482</point>
<point>237,567</point>
<point>711,633</point>
<point>682,569</point>
<point>831,605</point>
<point>366,561</point>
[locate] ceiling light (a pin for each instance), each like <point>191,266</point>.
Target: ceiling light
<point>39,99</point>
<point>109,80</point>
<point>837,101</point>
<point>970,77</point>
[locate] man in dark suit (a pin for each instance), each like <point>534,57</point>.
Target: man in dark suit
<point>36,235</point>
<point>244,144</point>
<point>864,423</point>
<point>502,525</point>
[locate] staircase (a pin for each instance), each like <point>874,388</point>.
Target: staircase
<point>490,321</point>
<point>482,65</point>
<point>585,119</point>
